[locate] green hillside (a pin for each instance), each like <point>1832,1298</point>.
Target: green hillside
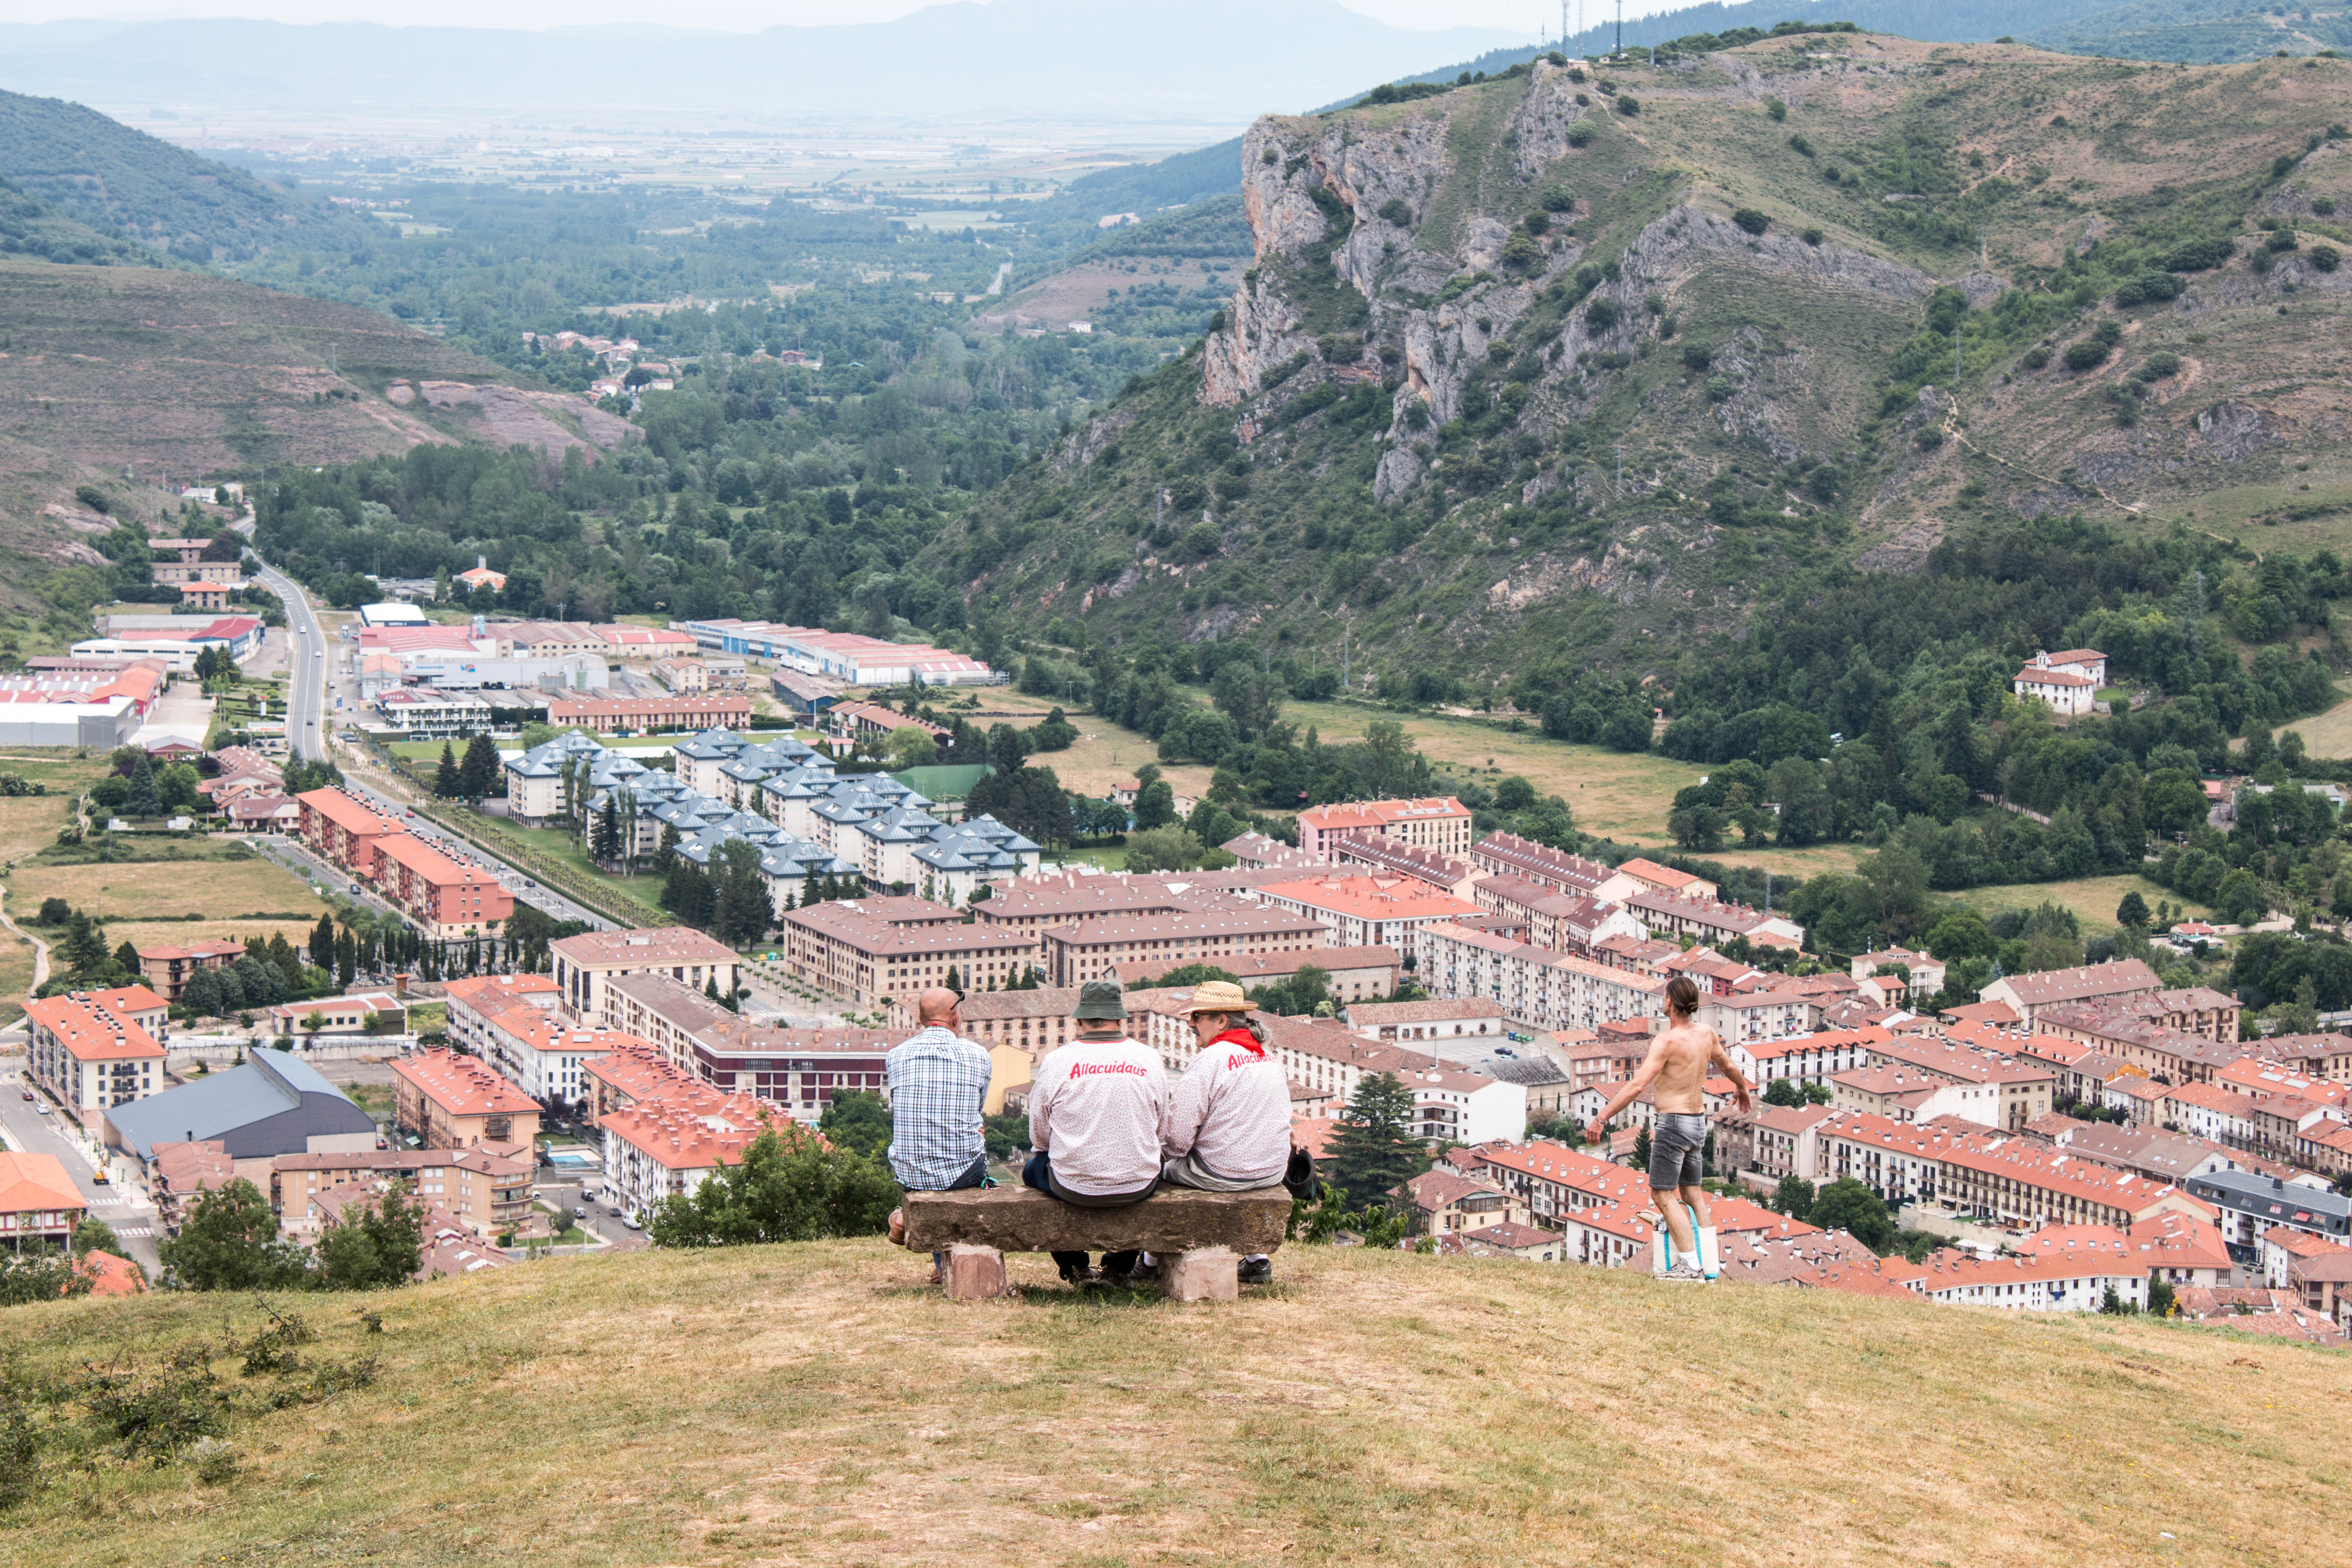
<point>130,185</point>
<point>1515,365</point>
<point>811,1403</point>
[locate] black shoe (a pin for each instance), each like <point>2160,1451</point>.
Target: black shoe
<point>1080,1274</point>
<point>1257,1270</point>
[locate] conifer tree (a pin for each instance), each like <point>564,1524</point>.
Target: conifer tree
<point>145,799</point>
<point>444,777</point>
<point>478,775</point>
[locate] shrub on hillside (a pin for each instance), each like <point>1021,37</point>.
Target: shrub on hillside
<point>2197,255</point>
<point>2087,354</point>
<point>2146,287</point>
<point>93,498</point>
<point>2326,258</point>
<point>1628,104</point>
<point>1752,220</point>
<point>1580,136</point>
<point>1558,201</point>
<point>1602,314</point>
<point>1800,145</point>
<point>1812,237</point>
<point>1395,211</point>
<point>2159,365</point>
<point>1697,356</point>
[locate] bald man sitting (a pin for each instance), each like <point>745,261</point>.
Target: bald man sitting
<point>938,1080</point>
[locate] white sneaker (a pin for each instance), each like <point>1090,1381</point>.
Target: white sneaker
<point>1683,1273</point>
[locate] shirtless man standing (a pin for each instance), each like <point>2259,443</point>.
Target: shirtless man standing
<point>1679,1063</point>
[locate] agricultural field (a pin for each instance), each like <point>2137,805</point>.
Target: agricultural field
<point>2328,734</point>
<point>1612,794</point>
<point>192,890</point>
<point>2093,899</point>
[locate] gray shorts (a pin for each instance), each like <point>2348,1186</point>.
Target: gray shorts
<point>1678,1149</point>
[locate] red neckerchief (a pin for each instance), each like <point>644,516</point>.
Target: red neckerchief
<point>1240,1035</point>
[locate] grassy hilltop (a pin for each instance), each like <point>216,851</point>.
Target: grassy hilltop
<point>1740,275</point>
<point>808,1404</point>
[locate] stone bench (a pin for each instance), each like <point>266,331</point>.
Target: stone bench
<point>1199,1237</point>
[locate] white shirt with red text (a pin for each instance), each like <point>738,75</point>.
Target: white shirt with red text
<point>1094,1108</point>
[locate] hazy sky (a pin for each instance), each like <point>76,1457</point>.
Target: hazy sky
<point>739,14</point>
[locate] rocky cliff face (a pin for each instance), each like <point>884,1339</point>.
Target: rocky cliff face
<point>1413,216</point>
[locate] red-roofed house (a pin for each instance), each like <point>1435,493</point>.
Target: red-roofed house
<point>1440,822</point>
<point>444,899</point>
<point>167,969</point>
<point>2066,688</point>
<point>1369,911</point>
<point>91,1057</point>
<point>664,1148</point>
<point>38,1201</point>
<point>453,1102</point>
<point>345,830</point>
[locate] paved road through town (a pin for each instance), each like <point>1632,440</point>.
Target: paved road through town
<point>313,658</point>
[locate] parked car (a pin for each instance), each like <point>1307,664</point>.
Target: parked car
<point>633,1222</point>
<point>577,1212</point>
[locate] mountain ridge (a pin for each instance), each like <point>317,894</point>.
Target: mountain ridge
<point>1715,368</point>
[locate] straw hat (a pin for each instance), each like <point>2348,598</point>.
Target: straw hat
<point>1219,996</point>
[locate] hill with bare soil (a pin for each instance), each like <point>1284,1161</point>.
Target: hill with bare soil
<point>127,377</point>
<point>812,1403</point>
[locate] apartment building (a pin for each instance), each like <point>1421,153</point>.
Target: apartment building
<point>1760,1017</point>
<point>1508,855</point>
<point>1033,904</point>
<point>166,968</point>
<point>627,1077</point>
<point>1713,922</point>
<point>1072,955</point>
<point>1438,822</point>
<point>489,1194</point>
<point>345,830</point>
<point>1382,856</point>
<point>2029,995</point>
<point>667,1148</point>
<point>2004,1089</point>
<point>2250,1206</point>
<point>1369,911</point>
<point>583,965</point>
<point>471,1002</point>
<point>867,951</point>
<point>1352,974</point>
<point>452,1102</point>
<point>445,900</point>
<point>1539,989</point>
<point>92,1051</point>
<point>2123,1032</point>
<point>797,1071</point>
<point>671,710</point>
<point>1565,923</point>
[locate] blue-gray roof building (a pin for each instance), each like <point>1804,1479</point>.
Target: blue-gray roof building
<point>275,1104</point>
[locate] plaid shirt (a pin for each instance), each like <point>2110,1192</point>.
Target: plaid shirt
<point>937,1080</point>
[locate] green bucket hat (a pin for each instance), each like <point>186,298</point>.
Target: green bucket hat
<point>1101,999</point>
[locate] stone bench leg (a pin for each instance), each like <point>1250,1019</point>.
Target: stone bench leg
<point>1209,1274</point>
<point>974,1273</point>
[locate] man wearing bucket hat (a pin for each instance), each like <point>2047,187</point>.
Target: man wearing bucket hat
<point>1094,1120</point>
<point>1227,1128</point>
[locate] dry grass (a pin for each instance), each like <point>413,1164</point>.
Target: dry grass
<point>2328,734</point>
<point>1612,794</point>
<point>807,1404</point>
<point>132,891</point>
<point>2093,899</point>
